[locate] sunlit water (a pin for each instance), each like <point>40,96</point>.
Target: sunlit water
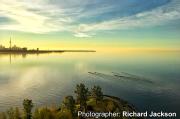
<point>47,78</point>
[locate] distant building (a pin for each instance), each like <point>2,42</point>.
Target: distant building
<point>10,43</point>
<point>24,49</point>
<point>2,47</point>
<point>15,48</point>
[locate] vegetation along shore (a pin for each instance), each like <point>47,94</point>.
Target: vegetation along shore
<point>86,100</point>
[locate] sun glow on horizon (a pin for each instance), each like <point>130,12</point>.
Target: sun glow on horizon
<point>72,25</point>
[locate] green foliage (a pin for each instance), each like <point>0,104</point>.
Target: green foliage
<point>69,103</point>
<point>110,106</point>
<point>13,113</point>
<point>82,96</point>
<point>17,113</point>
<point>10,113</point>
<point>97,93</point>
<point>43,113</point>
<point>28,105</point>
<point>36,114</point>
<point>65,114</point>
<point>69,106</point>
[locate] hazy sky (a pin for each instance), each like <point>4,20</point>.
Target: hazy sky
<point>91,23</point>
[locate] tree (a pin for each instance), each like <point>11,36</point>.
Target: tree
<point>82,95</point>
<point>16,113</point>
<point>28,105</point>
<point>69,103</point>
<point>45,113</point>
<point>36,114</point>
<point>13,113</point>
<point>10,113</point>
<point>97,93</point>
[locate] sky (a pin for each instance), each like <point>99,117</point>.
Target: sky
<point>90,24</point>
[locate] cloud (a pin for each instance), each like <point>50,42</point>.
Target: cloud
<point>27,20</point>
<point>82,35</point>
<point>84,18</point>
<point>154,17</point>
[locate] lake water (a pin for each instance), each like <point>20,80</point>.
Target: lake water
<point>47,78</point>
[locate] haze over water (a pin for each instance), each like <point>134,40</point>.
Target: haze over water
<point>47,78</point>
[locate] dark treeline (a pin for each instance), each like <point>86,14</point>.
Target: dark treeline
<point>86,100</point>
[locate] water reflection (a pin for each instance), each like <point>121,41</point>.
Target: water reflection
<point>12,56</point>
<point>46,78</point>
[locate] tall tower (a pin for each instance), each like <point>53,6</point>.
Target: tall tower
<point>10,44</point>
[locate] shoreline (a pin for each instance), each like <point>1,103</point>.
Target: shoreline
<point>42,51</point>
<point>85,102</point>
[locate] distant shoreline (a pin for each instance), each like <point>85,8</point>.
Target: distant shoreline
<point>40,51</point>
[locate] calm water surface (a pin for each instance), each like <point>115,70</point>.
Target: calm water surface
<point>47,78</point>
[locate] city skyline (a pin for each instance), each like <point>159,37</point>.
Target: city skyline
<point>52,24</point>
<point>12,46</point>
